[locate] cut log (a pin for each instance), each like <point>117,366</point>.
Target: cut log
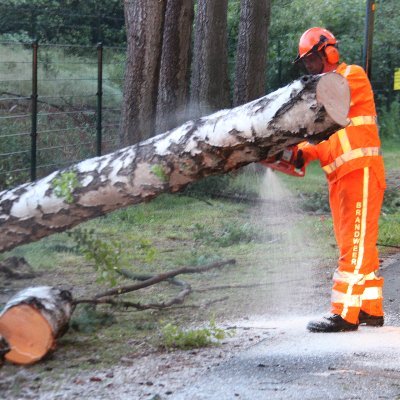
<point>311,108</point>
<point>32,320</point>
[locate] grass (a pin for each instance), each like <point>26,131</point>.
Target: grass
<point>66,123</point>
<point>174,337</point>
<point>58,68</point>
<point>390,149</point>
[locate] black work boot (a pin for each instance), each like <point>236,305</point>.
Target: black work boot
<point>370,320</point>
<point>331,323</point>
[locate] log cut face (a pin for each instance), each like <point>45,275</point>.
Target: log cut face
<point>32,320</point>
<point>216,144</point>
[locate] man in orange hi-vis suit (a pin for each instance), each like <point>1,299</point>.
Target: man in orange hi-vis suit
<point>352,161</point>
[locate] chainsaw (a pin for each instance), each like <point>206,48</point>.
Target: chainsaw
<point>285,162</point>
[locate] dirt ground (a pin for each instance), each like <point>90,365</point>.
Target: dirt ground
<point>123,361</point>
<point>143,375</point>
<point>152,374</point>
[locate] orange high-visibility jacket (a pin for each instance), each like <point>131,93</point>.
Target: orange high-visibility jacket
<point>358,145</point>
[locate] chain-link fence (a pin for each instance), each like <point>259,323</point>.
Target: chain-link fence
<point>59,104</point>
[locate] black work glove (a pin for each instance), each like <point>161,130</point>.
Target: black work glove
<point>299,161</point>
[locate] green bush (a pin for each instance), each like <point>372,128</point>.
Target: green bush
<point>391,201</point>
<point>317,202</point>
<point>88,320</point>
<point>212,185</point>
<point>389,121</point>
<point>389,230</point>
<point>107,256</point>
<point>229,234</point>
<point>174,337</point>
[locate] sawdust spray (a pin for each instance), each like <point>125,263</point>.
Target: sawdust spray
<point>291,265</point>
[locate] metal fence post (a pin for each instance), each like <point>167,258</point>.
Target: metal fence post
<point>368,37</point>
<point>34,102</point>
<point>99,95</point>
<point>389,97</point>
<point>279,64</point>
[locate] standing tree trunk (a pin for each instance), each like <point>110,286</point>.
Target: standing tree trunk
<point>210,81</point>
<point>251,54</point>
<point>311,108</point>
<point>144,24</point>
<point>173,84</point>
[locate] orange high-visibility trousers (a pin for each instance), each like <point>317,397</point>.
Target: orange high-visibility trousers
<point>356,201</point>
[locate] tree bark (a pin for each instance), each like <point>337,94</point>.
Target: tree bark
<point>251,54</point>
<point>210,81</point>
<point>4,349</point>
<point>144,25</point>
<point>173,87</point>
<point>312,108</point>
<point>32,320</point>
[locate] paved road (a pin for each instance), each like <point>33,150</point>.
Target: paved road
<point>292,363</point>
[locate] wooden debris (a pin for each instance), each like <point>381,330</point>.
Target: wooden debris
<point>16,268</point>
<point>149,280</point>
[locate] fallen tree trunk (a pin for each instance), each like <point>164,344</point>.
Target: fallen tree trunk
<point>32,320</point>
<point>313,108</point>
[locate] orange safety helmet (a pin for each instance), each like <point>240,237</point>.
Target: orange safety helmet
<point>315,40</point>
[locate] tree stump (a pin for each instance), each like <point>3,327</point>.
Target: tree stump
<point>32,320</point>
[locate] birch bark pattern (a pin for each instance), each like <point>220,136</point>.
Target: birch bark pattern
<point>32,320</point>
<point>310,108</point>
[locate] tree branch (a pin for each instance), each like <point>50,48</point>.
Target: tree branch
<point>148,280</point>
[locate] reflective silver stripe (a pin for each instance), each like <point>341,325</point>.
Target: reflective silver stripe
<point>348,277</point>
<point>364,211</point>
<point>351,155</point>
<point>371,276</point>
<point>347,71</point>
<point>372,293</point>
<point>348,153</point>
<point>344,140</point>
<point>344,298</point>
<point>363,120</point>
<point>360,256</point>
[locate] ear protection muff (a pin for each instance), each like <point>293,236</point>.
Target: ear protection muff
<point>331,54</point>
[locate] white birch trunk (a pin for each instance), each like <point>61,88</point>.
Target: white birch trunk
<point>311,108</point>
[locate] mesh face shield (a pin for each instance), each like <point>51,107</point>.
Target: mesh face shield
<point>313,63</point>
